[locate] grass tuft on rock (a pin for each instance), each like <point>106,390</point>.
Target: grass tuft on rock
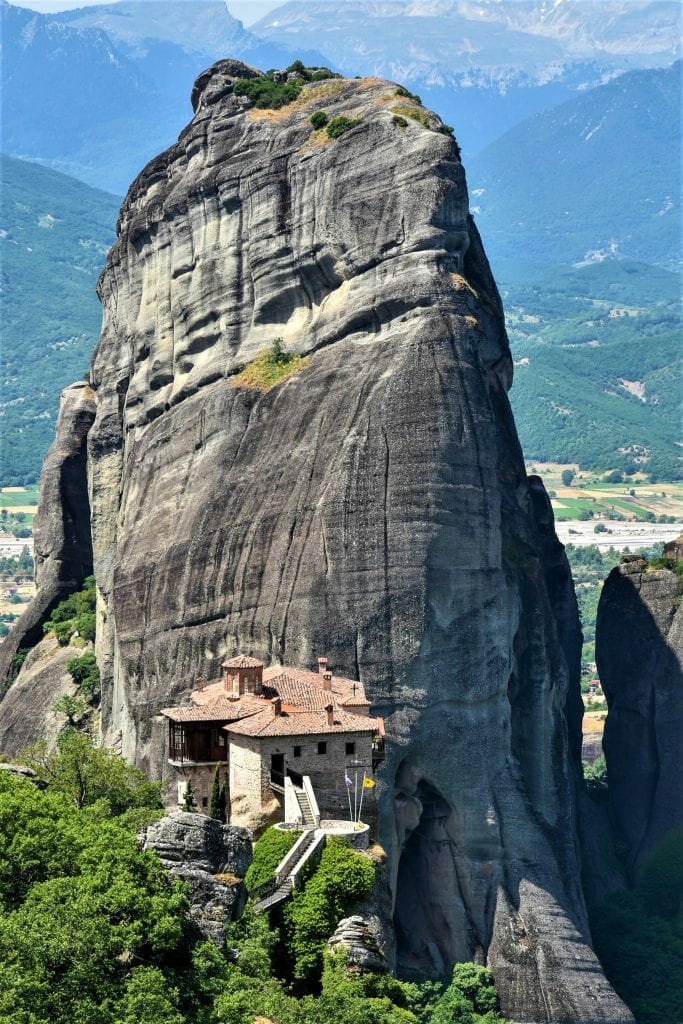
<point>405,110</point>
<point>270,368</point>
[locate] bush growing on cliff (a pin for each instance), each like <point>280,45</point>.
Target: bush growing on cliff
<point>340,125</point>
<point>85,674</point>
<point>319,119</point>
<point>342,878</point>
<point>75,613</point>
<point>273,845</point>
<point>268,93</point>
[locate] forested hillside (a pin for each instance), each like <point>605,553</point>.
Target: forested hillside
<point>596,177</point>
<point>54,234</point>
<point>597,363</point>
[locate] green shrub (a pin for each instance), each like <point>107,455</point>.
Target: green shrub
<point>445,129</point>
<point>75,614</point>
<point>414,113</point>
<point>408,95</point>
<point>319,119</point>
<point>273,845</point>
<point>342,878</point>
<point>339,125</point>
<point>399,121</point>
<point>271,367</point>
<point>266,93</point>
<point>85,674</point>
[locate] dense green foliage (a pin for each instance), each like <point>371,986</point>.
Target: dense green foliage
<point>638,935</point>
<point>93,931</point>
<point>597,364</point>
<point>271,847</point>
<point>319,119</point>
<point>340,125</point>
<point>85,775</point>
<point>56,234</point>
<point>75,613</point>
<point>343,877</point>
<point>86,675</point>
<point>266,92</point>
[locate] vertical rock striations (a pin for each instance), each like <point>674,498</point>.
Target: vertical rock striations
<point>639,651</point>
<point>374,507</point>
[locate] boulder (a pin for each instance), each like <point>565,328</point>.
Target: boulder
<point>212,858</point>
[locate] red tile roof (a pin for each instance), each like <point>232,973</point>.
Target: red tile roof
<point>300,722</point>
<point>242,661</point>
<point>220,710</point>
<point>303,698</point>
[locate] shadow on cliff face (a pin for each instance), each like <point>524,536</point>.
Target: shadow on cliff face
<point>427,872</point>
<point>639,645</point>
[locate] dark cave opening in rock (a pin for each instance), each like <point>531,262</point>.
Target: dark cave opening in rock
<point>430,921</point>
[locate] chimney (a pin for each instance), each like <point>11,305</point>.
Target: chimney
<point>327,680</point>
<point>322,665</point>
<point>199,684</point>
<point>276,703</point>
<point>329,708</point>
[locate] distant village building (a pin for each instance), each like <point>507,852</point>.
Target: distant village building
<point>278,734</point>
<point>674,549</point>
<point>11,546</point>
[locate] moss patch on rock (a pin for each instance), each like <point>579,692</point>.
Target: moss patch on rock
<point>270,368</point>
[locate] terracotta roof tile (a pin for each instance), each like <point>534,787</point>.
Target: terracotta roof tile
<point>221,710</point>
<point>301,722</point>
<point>242,661</point>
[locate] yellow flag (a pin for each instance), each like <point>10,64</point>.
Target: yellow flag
<point>368,783</point>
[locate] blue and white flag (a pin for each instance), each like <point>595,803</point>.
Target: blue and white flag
<point>347,779</point>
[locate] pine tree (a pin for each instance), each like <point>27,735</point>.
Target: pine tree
<point>223,803</point>
<point>189,802</point>
<point>215,801</point>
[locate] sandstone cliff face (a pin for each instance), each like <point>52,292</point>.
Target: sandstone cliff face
<point>63,557</point>
<point>373,508</point>
<point>639,651</point>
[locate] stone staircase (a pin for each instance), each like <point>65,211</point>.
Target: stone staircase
<point>282,888</point>
<point>307,816</point>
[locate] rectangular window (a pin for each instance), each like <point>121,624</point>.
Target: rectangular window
<point>350,749</point>
<point>205,801</point>
<point>297,751</point>
<point>322,747</point>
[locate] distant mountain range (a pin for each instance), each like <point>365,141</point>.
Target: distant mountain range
<point>581,165</point>
<point>484,66</point>
<point>597,177</point>
<point>97,92</point>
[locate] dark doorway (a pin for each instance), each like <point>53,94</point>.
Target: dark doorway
<point>277,769</point>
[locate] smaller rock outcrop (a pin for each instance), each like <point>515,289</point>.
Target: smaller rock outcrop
<point>27,714</point>
<point>361,936</point>
<point>64,557</point>
<point>212,858</point>
<point>639,653</point>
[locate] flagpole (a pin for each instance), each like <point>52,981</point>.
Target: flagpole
<point>355,793</point>
<point>361,796</point>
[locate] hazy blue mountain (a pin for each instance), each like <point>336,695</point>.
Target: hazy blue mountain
<point>99,91</point>
<point>597,363</point>
<point>54,234</point>
<point>598,176</point>
<point>484,66</point>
